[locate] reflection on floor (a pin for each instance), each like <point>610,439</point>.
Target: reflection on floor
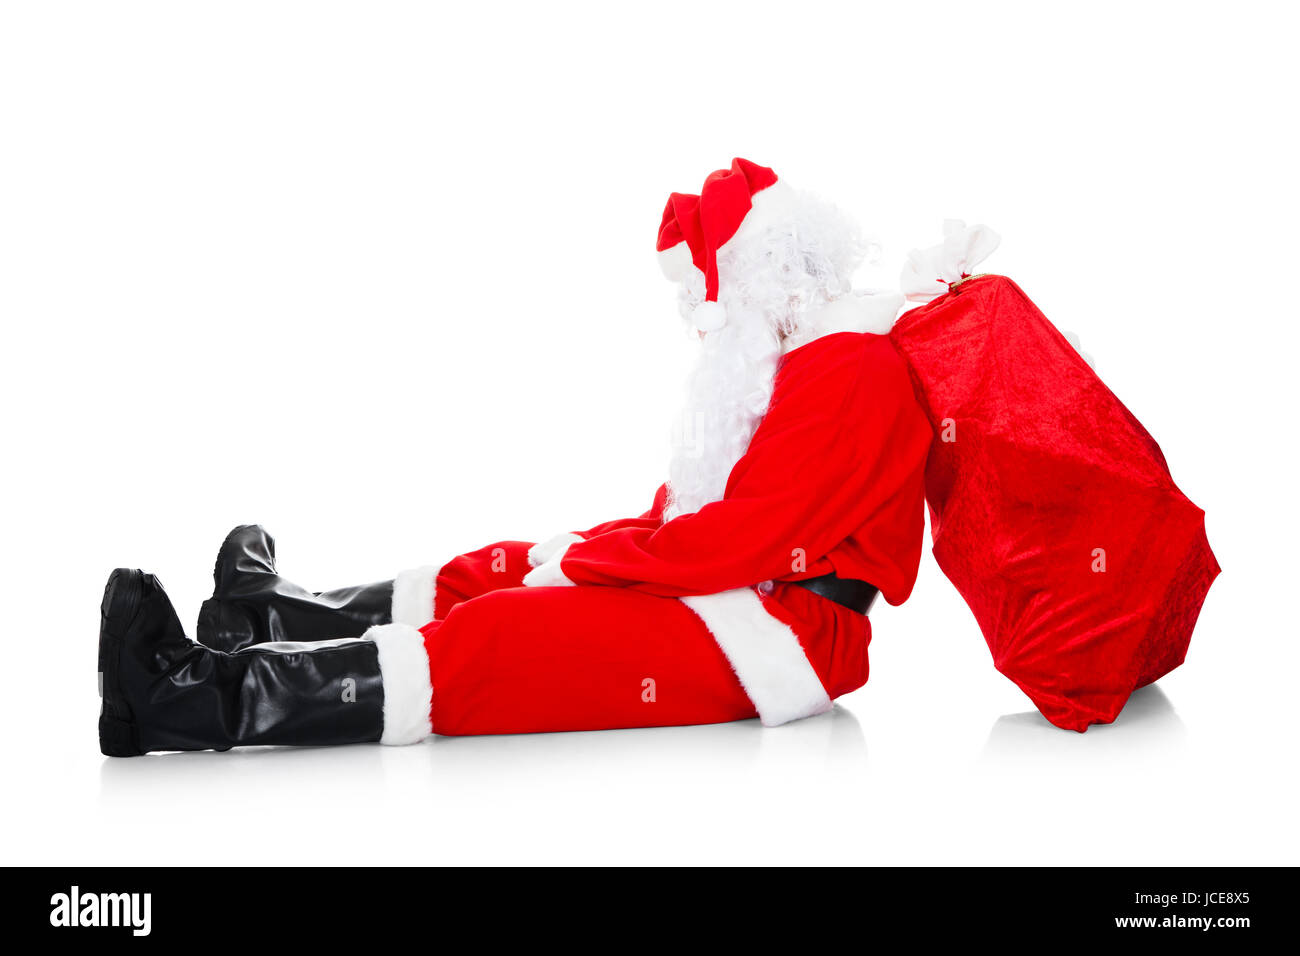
<point>1148,728</point>
<point>709,751</point>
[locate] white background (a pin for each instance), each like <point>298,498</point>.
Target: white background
<point>381,276</point>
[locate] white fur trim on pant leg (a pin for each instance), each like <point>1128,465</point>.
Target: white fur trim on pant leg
<point>764,653</point>
<point>404,669</point>
<point>414,594</point>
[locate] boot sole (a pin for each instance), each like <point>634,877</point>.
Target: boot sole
<point>117,611</point>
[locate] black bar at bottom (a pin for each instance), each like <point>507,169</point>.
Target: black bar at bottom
<point>264,906</point>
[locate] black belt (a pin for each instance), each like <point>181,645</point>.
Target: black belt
<point>852,594</point>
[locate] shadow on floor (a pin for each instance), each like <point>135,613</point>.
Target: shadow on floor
<point>340,774</point>
<point>1147,728</point>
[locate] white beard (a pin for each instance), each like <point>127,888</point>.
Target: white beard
<point>727,394</point>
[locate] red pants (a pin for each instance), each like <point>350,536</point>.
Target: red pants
<point>508,659</point>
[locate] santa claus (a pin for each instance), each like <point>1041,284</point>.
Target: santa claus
<point>795,496</point>
<point>815,431</point>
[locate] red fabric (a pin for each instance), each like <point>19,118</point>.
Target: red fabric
<point>651,519</point>
<point>503,564</point>
<point>509,659</point>
<point>705,222</point>
<point>832,481</point>
<point>1047,472</point>
<point>834,471</point>
<point>491,568</point>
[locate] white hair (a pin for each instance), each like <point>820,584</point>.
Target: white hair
<point>771,275</point>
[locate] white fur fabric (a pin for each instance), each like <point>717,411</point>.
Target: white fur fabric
<point>870,310</point>
<point>764,653</point>
<point>414,593</point>
<point>552,547</point>
<point>676,261</point>
<point>408,694</point>
<point>548,575</point>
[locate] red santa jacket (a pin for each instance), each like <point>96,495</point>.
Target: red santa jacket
<point>833,480</point>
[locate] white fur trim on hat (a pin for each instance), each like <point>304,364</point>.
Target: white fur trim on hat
<point>769,206</point>
<point>404,670</point>
<point>676,262</point>
<point>414,594</point>
<point>765,654</point>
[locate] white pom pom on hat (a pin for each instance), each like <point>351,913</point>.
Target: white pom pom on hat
<point>709,316</point>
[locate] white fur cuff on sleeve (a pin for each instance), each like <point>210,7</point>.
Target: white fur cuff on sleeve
<point>548,575</point>
<point>543,551</point>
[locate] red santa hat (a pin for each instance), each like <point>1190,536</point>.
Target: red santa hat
<point>695,228</point>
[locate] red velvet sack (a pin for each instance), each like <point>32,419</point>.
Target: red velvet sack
<point>1052,510</point>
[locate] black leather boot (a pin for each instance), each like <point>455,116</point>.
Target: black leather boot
<point>162,691</point>
<point>253,604</point>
